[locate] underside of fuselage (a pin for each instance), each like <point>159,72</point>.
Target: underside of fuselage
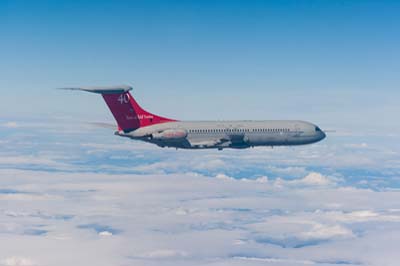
<point>244,145</point>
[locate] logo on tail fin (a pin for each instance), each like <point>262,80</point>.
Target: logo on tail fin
<point>123,98</point>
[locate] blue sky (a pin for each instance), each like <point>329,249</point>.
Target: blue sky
<point>333,62</point>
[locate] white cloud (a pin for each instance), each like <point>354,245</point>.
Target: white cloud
<point>188,216</point>
<point>321,231</point>
<point>262,179</point>
<point>192,208</point>
<point>312,179</point>
<point>105,233</point>
<point>275,261</point>
<point>17,261</point>
<point>164,254</point>
<point>28,197</point>
<point>11,124</point>
<point>362,216</point>
<point>29,160</point>
<point>357,145</point>
<point>317,179</point>
<point>224,177</point>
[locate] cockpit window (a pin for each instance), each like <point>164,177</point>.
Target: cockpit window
<point>317,129</point>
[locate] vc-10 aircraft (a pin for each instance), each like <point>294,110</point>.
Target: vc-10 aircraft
<point>136,123</point>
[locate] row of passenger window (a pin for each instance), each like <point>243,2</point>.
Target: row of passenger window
<point>239,130</point>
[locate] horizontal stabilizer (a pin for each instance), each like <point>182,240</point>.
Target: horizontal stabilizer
<point>103,90</point>
<point>101,124</point>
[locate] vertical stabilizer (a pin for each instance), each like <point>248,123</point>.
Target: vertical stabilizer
<point>126,111</point>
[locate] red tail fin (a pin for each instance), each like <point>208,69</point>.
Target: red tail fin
<point>129,114</point>
<point>126,111</point>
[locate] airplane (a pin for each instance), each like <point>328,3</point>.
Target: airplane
<point>136,123</point>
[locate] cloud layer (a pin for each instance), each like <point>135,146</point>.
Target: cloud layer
<point>84,198</point>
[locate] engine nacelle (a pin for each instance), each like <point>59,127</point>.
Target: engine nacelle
<point>170,134</point>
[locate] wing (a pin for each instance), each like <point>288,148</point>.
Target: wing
<point>207,143</point>
<point>234,141</point>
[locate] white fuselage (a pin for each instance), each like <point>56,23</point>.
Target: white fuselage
<point>228,134</point>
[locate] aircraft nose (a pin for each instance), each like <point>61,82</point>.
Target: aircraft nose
<point>320,134</point>
<point>323,135</point>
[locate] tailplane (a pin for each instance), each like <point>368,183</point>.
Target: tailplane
<point>126,111</point>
